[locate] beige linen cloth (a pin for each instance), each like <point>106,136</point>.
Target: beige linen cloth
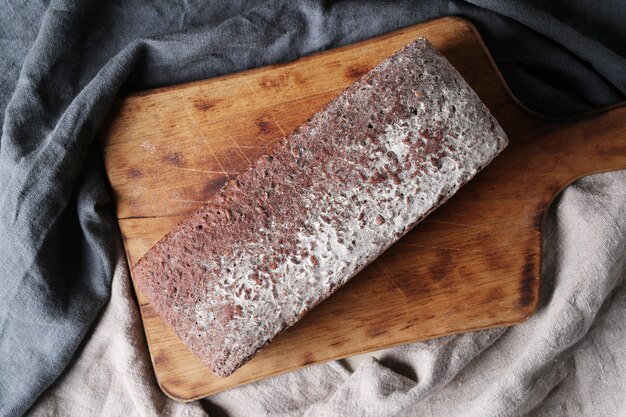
<point>569,359</point>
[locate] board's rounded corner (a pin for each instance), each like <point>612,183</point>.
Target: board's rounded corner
<point>171,393</point>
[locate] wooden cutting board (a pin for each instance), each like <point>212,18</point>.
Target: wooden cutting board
<point>473,264</point>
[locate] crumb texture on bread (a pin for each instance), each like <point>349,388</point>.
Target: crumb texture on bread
<point>330,198</point>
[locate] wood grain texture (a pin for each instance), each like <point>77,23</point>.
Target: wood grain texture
<point>473,264</point>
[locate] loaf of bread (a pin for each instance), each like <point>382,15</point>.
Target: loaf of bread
<point>330,198</point>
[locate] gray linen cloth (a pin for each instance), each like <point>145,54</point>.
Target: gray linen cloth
<point>63,62</point>
<point>566,360</point>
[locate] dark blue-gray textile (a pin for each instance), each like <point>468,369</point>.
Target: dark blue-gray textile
<point>64,62</point>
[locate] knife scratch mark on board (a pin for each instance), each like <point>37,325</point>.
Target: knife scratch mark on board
<point>394,282</point>
<point>215,156</point>
<point>240,150</point>
<point>203,170</point>
<point>205,140</point>
<point>187,201</point>
<point>254,147</point>
<point>279,127</point>
<point>252,89</point>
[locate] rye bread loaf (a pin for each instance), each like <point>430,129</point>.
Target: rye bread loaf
<point>330,198</point>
